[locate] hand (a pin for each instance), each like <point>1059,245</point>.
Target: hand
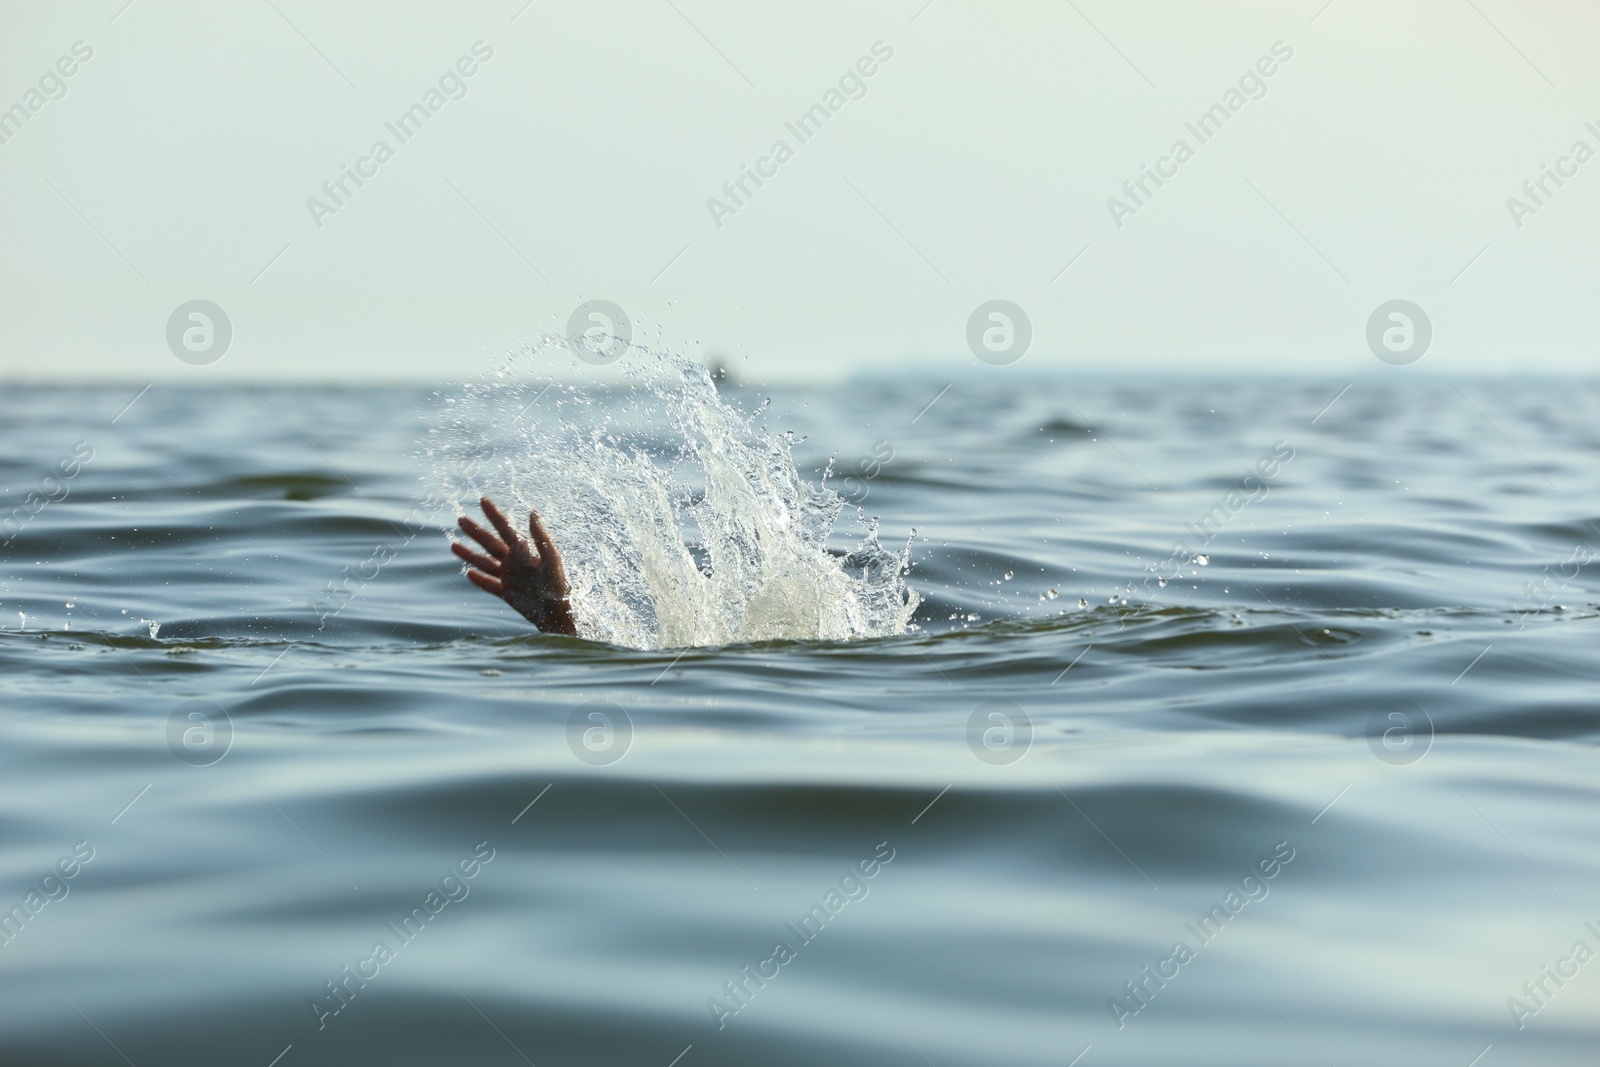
<point>528,576</point>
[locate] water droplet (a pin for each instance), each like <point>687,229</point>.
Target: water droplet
<point>1051,594</point>
<point>1162,582</point>
<point>1007,576</point>
<point>1203,560</point>
<point>1082,603</point>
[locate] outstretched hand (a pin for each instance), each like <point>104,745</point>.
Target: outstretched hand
<point>525,574</point>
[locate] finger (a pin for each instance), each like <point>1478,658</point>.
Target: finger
<point>486,583</point>
<point>541,536</point>
<point>492,544</point>
<point>477,559</point>
<point>501,523</point>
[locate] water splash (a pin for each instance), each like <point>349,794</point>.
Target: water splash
<point>682,520</point>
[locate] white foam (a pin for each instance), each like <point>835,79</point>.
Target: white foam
<point>682,521</point>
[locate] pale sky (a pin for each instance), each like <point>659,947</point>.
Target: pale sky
<point>577,159</point>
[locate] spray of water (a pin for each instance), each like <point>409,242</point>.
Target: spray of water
<point>682,521</point>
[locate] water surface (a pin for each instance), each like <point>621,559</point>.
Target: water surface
<point>1420,549</point>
